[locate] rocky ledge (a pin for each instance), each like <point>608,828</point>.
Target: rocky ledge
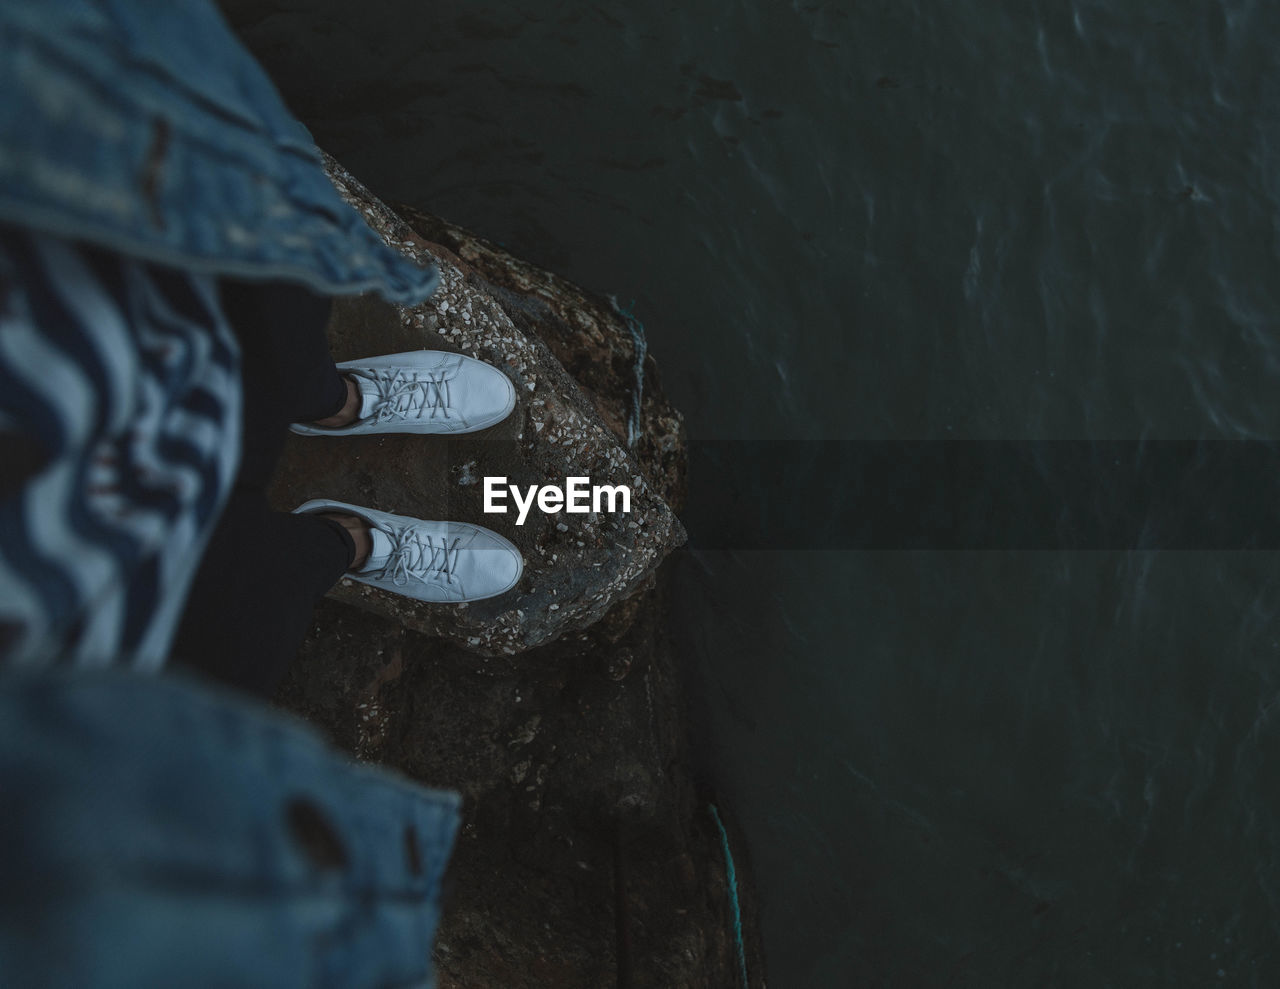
<point>588,857</point>
<point>577,566</point>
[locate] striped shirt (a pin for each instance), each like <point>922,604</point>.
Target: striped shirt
<point>119,436</point>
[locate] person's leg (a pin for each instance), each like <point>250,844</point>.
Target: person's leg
<point>263,572</point>
<point>285,365</point>
<point>258,585</point>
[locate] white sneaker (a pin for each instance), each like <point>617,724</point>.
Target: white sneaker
<point>423,391</point>
<point>448,562</point>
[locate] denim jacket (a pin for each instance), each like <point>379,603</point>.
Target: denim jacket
<point>145,127</point>
<point>155,834</point>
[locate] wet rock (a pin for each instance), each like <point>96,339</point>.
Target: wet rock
<point>587,856</point>
<point>577,567</point>
<point>592,337</point>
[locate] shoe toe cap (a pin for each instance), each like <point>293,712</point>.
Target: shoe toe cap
<point>490,566</point>
<point>488,395</point>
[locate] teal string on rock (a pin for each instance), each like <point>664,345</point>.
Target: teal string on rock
<point>642,347</point>
<point>733,898</point>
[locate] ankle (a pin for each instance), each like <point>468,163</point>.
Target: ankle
<point>358,528</point>
<point>350,410</point>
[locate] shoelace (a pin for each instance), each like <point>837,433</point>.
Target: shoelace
<point>419,394</point>
<point>416,554</point>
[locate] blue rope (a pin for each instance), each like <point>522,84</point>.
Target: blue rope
<point>733,898</point>
<point>642,347</point>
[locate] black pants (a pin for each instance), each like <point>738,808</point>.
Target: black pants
<point>264,571</point>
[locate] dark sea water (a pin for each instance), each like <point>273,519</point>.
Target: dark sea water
<point>894,221</point>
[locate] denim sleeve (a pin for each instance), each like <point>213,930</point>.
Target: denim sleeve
<point>146,128</point>
<point>155,834</point>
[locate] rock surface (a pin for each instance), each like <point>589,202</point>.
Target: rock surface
<point>588,857</point>
<point>591,338</point>
<point>576,566</point>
